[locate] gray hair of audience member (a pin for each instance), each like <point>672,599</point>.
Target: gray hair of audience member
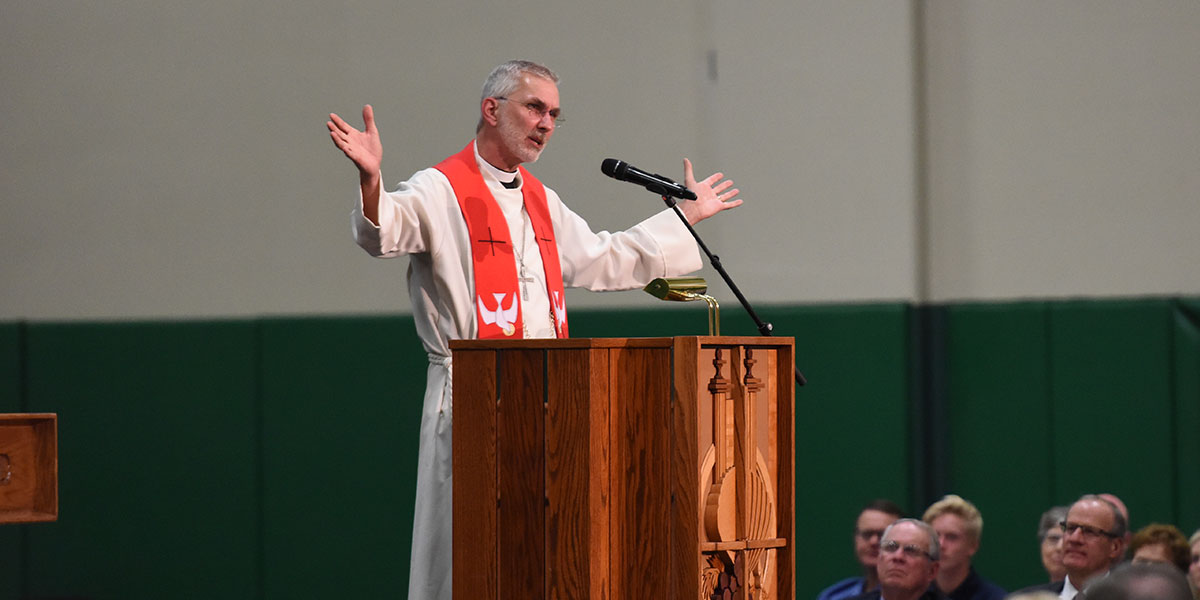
<point>506,77</point>
<point>1120,527</point>
<point>935,549</point>
<point>1144,581</point>
<point>1195,538</point>
<point>1050,520</point>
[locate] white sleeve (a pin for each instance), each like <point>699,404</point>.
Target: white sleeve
<point>408,217</point>
<point>660,246</point>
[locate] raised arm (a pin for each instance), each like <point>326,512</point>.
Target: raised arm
<point>364,149</point>
<point>712,195</point>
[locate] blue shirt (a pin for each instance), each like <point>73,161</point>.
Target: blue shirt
<point>846,588</point>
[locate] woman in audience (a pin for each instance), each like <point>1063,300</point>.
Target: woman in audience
<point>1194,569</point>
<point>1161,544</point>
<point>1050,538</point>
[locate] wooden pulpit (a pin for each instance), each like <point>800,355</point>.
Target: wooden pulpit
<point>624,468</point>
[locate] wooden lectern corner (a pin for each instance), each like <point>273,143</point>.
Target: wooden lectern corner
<point>28,467</point>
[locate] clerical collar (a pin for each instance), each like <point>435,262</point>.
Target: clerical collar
<point>509,180</point>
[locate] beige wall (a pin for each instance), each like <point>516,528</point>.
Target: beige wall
<point>1064,148</point>
<point>170,159</point>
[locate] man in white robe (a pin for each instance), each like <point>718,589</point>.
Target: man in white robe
<point>423,220</point>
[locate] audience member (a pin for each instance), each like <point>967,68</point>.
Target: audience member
<point>1115,501</point>
<point>908,563</point>
<point>959,528</point>
<point>1039,595</point>
<point>1093,541</point>
<point>1050,539</point>
<point>1140,581</point>
<point>868,530</point>
<point>1194,568</point>
<point>1158,543</point>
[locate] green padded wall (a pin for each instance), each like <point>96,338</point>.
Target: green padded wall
<point>1051,400</point>
<point>10,367</point>
<point>157,460</point>
<point>11,557</point>
<point>852,419</point>
<point>1111,402</point>
<point>341,412</point>
<point>1000,430</point>
<point>1186,365</point>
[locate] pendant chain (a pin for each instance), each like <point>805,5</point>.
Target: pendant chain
<point>523,277</point>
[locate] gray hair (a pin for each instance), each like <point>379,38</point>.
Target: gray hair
<point>935,549</point>
<point>1050,520</point>
<point>1145,581</point>
<point>504,79</point>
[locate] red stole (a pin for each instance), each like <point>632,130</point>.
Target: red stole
<point>498,310</point>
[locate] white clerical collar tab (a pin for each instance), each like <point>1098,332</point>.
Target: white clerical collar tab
<point>507,179</point>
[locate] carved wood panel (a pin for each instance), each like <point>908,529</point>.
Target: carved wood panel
<point>738,478</point>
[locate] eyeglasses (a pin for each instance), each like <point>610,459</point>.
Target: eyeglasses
<point>1088,530</point>
<point>867,534</point>
<point>539,111</point>
<point>910,550</point>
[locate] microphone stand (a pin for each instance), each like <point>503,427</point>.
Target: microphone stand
<point>764,328</point>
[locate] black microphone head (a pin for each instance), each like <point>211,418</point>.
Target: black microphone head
<point>614,168</point>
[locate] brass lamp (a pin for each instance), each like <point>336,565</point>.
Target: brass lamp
<point>687,289</point>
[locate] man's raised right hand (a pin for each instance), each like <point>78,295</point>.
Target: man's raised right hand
<point>365,149</point>
<point>362,147</point>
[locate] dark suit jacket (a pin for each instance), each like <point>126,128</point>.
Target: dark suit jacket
<point>975,587</point>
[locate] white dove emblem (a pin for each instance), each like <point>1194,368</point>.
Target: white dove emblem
<point>502,317</point>
<point>560,310</point>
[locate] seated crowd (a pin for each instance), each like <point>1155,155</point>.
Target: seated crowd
<point>1086,548</point>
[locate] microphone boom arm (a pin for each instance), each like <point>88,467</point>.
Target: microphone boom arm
<point>764,328</point>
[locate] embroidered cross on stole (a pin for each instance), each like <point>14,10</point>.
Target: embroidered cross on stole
<point>498,309</point>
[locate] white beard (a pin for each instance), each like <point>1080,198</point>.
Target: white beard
<point>517,141</point>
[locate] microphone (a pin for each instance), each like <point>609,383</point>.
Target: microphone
<point>619,169</point>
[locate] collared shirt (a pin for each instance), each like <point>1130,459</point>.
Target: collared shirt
<point>1069,590</point>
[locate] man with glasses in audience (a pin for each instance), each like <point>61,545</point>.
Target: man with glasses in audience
<point>868,530</point>
<point>908,563</point>
<point>1093,542</point>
